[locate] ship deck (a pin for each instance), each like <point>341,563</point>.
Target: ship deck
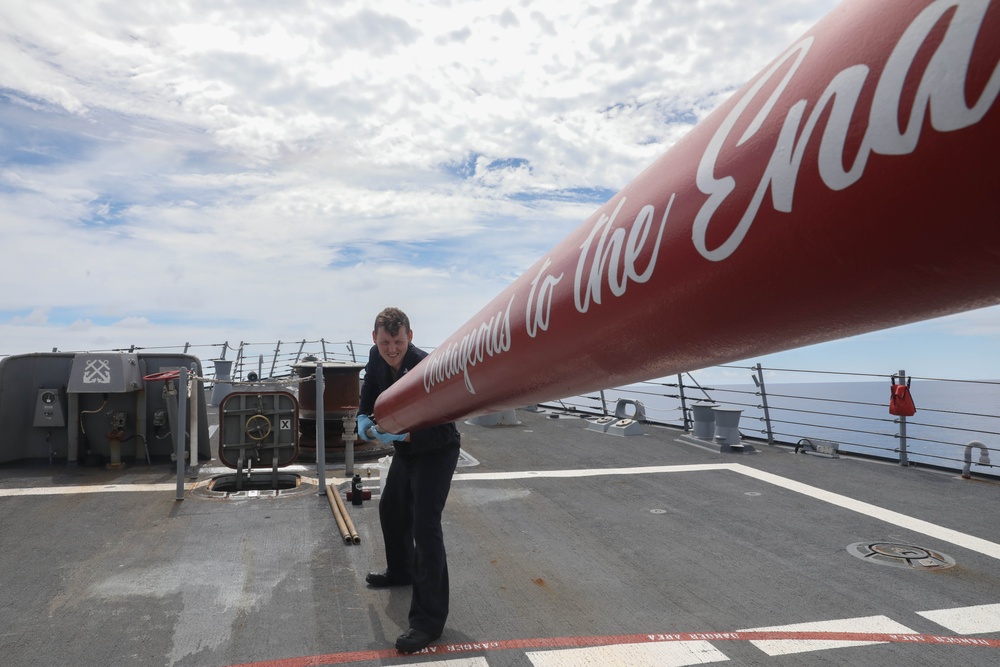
<point>567,546</point>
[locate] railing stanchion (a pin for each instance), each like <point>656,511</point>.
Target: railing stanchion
<point>274,359</point>
<point>684,411</point>
<point>758,380</point>
<point>195,386</point>
<point>238,373</point>
<point>901,420</point>
<point>181,423</point>
<point>320,430</point>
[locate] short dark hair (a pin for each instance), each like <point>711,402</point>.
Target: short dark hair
<point>392,319</point>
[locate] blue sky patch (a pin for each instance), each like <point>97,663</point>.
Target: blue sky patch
<point>466,168</point>
<point>508,163</point>
<point>38,137</point>
<point>105,211</point>
<point>594,195</point>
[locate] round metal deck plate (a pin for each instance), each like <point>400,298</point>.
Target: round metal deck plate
<point>901,555</point>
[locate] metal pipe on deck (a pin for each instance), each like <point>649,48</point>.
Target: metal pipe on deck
<point>904,459</point>
<point>181,426</point>
<point>984,457</point>
<point>798,212</point>
<point>347,517</point>
<point>194,387</point>
<point>320,425</point>
<point>335,507</point>
<point>73,428</point>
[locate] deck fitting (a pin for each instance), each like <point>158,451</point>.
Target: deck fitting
<point>256,485</point>
<point>901,555</point>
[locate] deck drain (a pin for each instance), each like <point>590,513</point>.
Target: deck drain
<point>901,555</point>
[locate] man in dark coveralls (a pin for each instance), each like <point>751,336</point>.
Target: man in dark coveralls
<point>416,488</point>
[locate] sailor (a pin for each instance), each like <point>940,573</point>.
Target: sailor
<point>416,487</point>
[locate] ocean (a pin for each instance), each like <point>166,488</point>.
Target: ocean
<point>855,415</point>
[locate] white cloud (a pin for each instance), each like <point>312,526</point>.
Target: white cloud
<point>220,170</point>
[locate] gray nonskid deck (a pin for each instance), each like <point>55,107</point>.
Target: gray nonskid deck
<point>560,541</point>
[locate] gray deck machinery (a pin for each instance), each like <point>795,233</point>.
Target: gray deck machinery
<point>97,409</point>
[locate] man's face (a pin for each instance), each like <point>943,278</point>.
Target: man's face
<point>392,348</point>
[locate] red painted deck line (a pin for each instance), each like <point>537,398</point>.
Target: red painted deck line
<point>445,650</point>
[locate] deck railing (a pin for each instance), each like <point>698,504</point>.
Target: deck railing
<point>848,409</point>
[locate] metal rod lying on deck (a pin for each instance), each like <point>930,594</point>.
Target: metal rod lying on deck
<point>330,495</point>
<point>347,517</point>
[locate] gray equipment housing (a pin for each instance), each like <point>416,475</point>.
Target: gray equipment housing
<point>67,407</point>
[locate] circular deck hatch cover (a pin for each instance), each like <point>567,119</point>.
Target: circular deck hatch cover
<point>901,555</point>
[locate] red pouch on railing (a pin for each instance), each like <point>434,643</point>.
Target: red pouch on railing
<point>900,401</point>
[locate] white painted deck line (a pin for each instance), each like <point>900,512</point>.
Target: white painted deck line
<point>590,472</point>
<point>672,654</point>
<point>70,490</point>
<point>970,542</point>
<point>979,619</point>
<point>868,624</point>
<point>460,662</point>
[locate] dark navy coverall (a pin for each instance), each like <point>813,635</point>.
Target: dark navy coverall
<point>413,499</point>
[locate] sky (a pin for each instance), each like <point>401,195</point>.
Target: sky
<point>259,171</point>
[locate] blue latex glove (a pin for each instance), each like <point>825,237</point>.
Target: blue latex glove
<point>389,438</point>
<point>364,423</point>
